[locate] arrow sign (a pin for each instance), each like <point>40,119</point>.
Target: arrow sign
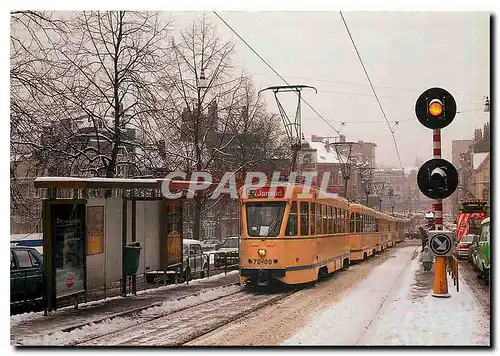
<point>440,244</point>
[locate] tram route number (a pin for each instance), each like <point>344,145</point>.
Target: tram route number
<point>262,261</point>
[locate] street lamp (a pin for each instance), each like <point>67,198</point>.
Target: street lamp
<point>202,81</point>
<point>486,104</point>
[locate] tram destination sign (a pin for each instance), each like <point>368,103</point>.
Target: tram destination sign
<point>266,192</point>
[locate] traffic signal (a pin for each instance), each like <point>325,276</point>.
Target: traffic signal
<point>435,108</point>
<point>437,178</point>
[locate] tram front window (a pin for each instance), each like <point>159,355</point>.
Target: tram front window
<point>264,218</point>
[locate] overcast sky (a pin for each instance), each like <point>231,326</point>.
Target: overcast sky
<point>404,54</point>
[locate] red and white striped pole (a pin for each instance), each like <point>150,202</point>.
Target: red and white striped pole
<point>438,205</point>
<point>440,288</point>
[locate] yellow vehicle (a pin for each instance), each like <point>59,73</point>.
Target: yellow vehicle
<point>391,231</point>
<point>383,229</point>
<point>401,226</point>
<point>291,236</point>
<point>364,237</point>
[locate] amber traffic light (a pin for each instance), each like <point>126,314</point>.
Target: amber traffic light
<point>435,108</point>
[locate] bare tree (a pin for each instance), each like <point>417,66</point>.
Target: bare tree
<point>202,107</point>
<point>113,61</point>
<point>257,137</point>
<point>34,37</point>
<point>106,71</point>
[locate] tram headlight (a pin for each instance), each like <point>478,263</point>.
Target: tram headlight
<point>261,252</point>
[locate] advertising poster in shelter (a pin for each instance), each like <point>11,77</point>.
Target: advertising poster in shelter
<point>69,248</point>
<point>174,237</point>
<point>95,230</point>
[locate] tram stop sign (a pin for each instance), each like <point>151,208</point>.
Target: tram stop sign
<point>440,242</point>
<point>435,108</point>
<point>437,178</point>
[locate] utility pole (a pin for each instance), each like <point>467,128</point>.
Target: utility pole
<point>345,160</point>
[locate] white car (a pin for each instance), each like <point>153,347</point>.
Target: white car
<point>210,244</point>
<point>231,244</point>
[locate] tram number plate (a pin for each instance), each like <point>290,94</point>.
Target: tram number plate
<point>262,261</point>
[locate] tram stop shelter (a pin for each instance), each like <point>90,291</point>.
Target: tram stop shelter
<point>99,232</point>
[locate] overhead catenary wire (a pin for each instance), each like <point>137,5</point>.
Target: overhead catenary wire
<point>373,89</point>
<point>270,67</point>
<point>365,85</point>
<point>344,122</point>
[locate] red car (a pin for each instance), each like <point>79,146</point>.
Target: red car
<point>464,245</point>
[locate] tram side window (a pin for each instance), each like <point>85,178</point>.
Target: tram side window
<point>331,211</point>
<point>325,219</point>
<point>318,219</point>
<point>313,218</point>
<point>291,226</point>
<point>334,220</point>
<point>353,222</point>
<point>376,225</point>
<point>342,217</point>
<point>358,222</point>
<point>304,218</point>
<point>328,218</point>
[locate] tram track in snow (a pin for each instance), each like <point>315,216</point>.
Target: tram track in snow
<point>184,325</point>
<point>130,317</point>
<point>181,327</point>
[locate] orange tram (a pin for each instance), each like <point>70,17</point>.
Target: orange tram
<point>295,236</point>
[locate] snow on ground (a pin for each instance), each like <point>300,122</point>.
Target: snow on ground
<point>21,318</point>
<point>456,321</point>
<point>344,322</point>
<point>61,338</point>
<point>390,308</point>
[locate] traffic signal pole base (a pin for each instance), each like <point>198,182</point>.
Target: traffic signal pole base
<point>447,295</point>
<point>440,281</point>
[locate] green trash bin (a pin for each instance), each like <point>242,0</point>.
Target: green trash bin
<point>131,262</point>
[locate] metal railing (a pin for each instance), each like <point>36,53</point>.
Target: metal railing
<point>452,268</point>
<point>222,261</point>
<point>226,261</point>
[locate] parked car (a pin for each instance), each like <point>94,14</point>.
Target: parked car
<point>472,251</point>
<point>231,244</point>
<point>26,276</point>
<point>227,254</point>
<point>464,245</point>
<point>481,251</point>
<point>198,262</point>
<point>210,244</point>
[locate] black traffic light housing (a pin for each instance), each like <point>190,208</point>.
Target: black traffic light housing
<point>442,101</point>
<point>437,178</point>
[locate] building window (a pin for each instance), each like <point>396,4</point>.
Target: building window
<point>209,232</point>
<point>486,194</point>
<point>37,210</point>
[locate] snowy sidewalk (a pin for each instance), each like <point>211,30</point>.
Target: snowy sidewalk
<point>394,306</point>
<point>34,324</point>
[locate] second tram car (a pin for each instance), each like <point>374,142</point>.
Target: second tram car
<point>363,237</point>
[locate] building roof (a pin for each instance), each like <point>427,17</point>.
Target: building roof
<point>478,158</point>
<point>322,155</point>
<point>408,170</point>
